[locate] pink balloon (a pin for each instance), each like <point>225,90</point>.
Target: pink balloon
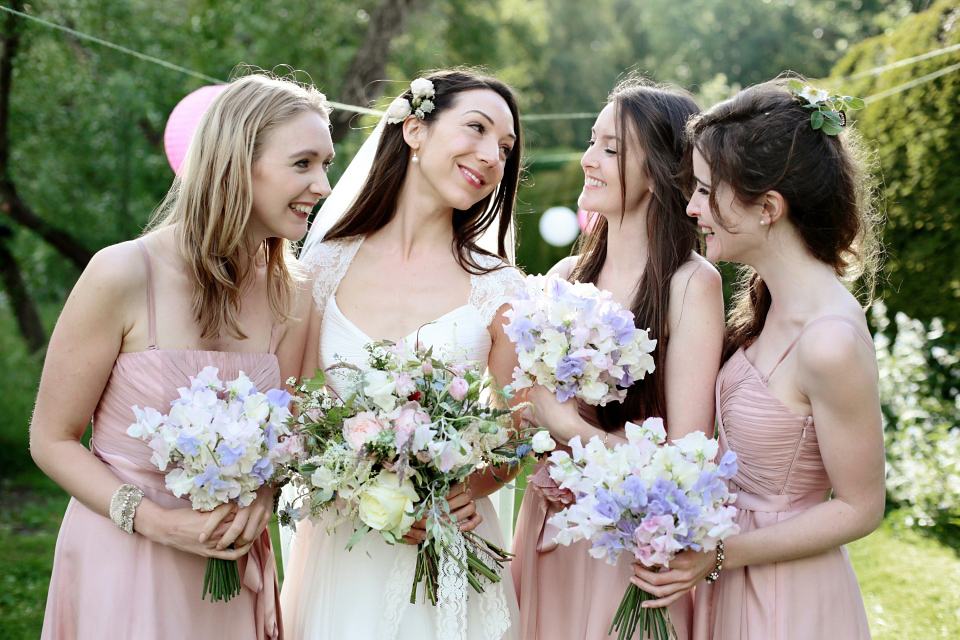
<point>587,220</point>
<point>183,122</point>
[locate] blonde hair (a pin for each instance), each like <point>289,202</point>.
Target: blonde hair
<point>211,200</point>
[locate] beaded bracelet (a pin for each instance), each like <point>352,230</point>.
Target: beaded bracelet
<point>123,506</point>
<point>716,571</point>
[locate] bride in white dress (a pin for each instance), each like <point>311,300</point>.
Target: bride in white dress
<point>405,263</point>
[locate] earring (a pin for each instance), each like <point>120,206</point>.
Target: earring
<point>763,222</point>
<point>415,159</point>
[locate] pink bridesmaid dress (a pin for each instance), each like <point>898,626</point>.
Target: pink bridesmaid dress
<point>780,475</point>
<point>109,584</point>
<point>564,592</point>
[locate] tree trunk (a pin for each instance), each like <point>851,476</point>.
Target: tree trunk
<point>370,62</point>
<point>10,202</point>
<point>28,318</point>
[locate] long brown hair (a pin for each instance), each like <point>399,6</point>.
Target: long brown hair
<point>211,200</point>
<point>375,205</point>
<point>650,117</point>
<point>761,140</point>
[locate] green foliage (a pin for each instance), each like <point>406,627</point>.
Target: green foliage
<point>919,368</point>
<point>17,393</point>
<point>917,132</point>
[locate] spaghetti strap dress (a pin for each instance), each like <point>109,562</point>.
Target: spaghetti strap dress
<point>780,474</point>
<point>109,584</point>
<point>563,591</point>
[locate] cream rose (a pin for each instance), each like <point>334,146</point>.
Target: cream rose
<point>386,506</point>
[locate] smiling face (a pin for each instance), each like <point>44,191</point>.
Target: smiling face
<point>290,177</point>
<point>601,169</point>
<point>742,232</point>
<point>463,152</point>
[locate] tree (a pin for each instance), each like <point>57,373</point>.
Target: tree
<point>917,133</point>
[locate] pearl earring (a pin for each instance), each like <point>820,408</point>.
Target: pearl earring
<point>763,222</point>
<point>415,159</point>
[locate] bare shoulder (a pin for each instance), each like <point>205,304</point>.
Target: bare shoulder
<point>114,272</point>
<point>696,274</point>
<point>833,352</point>
<point>696,282</point>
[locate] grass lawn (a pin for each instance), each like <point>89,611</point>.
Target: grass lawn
<point>911,584</point>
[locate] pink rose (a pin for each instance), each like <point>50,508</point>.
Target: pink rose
<point>360,428</point>
<point>541,482</point>
<point>459,388</point>
<point>427,367</point>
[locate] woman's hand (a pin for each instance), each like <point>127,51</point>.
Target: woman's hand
<point>247,523</point>
<point>462,507</point>
<point>562,419</point>
<point>182,529</point>
<point>686,571</point>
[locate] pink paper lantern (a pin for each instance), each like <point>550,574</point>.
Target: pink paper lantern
<point>183,122</point>
<point>587,220</point>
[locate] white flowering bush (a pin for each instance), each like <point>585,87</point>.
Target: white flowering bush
<point>921,407</point>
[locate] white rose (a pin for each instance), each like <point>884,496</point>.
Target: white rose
<point>421,88</point>
<point>386,506</point>
<point>542,442</point>
<point>398,110</point>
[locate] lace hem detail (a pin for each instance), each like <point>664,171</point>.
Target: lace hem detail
<point>490,291</point>
<point>452,592</point>
<point>397,595</point>
<point>493,603</point>
<point>327,263</point>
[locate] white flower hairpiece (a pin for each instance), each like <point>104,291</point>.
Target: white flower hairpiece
<point>419,103</point>
<point>829,111</point>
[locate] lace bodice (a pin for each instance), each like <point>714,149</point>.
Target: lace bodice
<point>464,329</point>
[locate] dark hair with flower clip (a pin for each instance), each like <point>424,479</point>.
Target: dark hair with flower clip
<point>763,139</point>
<point>375,205</point>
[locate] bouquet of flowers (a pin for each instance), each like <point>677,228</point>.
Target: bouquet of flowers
<point>387,453</point>
<point>576,341</point>
<point>647,497</point>
<point>224,441</point>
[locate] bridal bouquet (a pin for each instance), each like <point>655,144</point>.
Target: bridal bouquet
<point>387,452</point>
<point>576,341</point>
<point>224,441</point>
<point>647,497</point>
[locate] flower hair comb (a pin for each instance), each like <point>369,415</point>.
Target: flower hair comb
<point>420,102</point>
<point>829,111</point>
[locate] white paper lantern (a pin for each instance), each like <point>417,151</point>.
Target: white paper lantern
<point>559,226</point>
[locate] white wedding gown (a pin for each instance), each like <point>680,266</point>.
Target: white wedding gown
<point>330,593</point>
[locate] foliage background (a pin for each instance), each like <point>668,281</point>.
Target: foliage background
<point>83,150</point>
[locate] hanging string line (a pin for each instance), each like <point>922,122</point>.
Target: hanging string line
<point>528,118</point>
<point>912,83</point>
<point>900,63</point>
<point>164,63</point>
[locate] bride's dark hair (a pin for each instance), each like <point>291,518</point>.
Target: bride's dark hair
<point>375,205</point>
<point>650,118</point>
